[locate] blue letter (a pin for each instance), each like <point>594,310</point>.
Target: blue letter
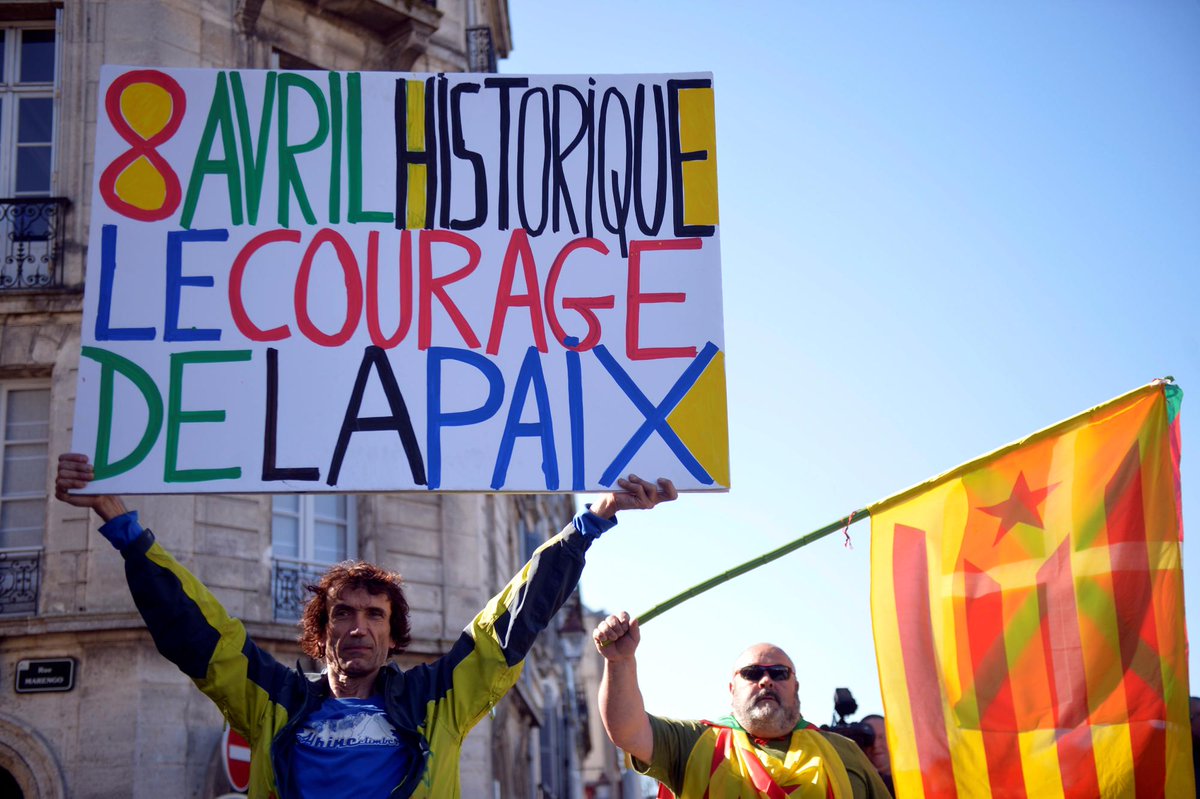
<point>436,419</point>
<point>176,281</point>
<point>108,270</point>
<point>575,405</point>
<point>531,373</point>
<point>656,415</point>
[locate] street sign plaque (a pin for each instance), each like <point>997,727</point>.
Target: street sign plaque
<point>45,675</point>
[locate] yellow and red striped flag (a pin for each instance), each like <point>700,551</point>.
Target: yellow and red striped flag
<point>1028,615</point>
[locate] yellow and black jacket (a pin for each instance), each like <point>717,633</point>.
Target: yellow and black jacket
<point>432,706</point>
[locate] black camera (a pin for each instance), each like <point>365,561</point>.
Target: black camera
<point>858,731</point>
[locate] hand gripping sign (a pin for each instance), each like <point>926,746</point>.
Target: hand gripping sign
<point>310,281</point>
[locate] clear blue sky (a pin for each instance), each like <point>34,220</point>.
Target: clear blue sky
<point>944,225</point>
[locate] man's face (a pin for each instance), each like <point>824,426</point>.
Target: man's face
<point>766,707</point>
<point>878,753</point>
<point>359,634</point>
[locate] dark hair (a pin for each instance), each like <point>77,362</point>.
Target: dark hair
<point>352,574</point>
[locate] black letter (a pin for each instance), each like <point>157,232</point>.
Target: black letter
<point>545,161</point>
<point>461,151</point>
<point>270,436</point>
<point>444,146</point>
<point>660,182</point>
<point>560,154</point>
<point>404,156</point>
<point>677,159</point>
<point>398,421</point>
<point>620,202</point>
<point>504,84</point>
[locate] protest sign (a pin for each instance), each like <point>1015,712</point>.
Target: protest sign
<point>324,281</point>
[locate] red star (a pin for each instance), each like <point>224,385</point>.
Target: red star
<point>1021,507</point>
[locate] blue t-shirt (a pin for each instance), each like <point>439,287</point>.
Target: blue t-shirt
<point>348,748</point>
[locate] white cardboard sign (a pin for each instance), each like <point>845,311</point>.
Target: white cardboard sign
<point>343,281</point>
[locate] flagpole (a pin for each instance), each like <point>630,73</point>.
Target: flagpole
<point>841,524</point>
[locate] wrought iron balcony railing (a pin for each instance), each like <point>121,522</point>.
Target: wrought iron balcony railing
<point>31,234</point>
<point>288,580</point>
<point>20,575</point>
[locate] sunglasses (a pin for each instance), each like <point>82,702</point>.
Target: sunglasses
<point>755,673</point>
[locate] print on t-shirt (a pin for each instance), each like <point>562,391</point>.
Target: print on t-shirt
<point>365,728</point>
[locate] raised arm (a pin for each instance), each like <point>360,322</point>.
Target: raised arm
<point>188,624</point>
<point>621,706</point>
<point>486,661</point>
<point>74,473</point>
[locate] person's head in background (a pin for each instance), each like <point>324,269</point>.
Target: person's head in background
<point>878,753</point>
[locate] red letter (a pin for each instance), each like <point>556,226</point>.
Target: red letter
<point>354,290</point>
<point>431,286</point>
<point>581,305</point>
<point>236,307</point>
<point>518,247</point>
<point>405,278</point>
<point>636,298</point>
<point>143,148</point>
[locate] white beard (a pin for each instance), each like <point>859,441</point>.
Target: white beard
<point>770,719</point>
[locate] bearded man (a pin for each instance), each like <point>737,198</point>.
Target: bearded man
<point>764,748</point>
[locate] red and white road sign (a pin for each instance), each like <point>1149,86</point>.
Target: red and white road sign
<point>235,755</point>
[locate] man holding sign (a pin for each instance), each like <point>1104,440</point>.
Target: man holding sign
<point>764,748</point>
<point>365,727</point>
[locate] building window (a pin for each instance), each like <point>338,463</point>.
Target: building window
<point>317,528</point>
<point>308,533</point>
<point>30,222</point>
<point>25,413</point>
<point>282,59</point>
<point>481,51</point>
<point>25,409</point>
<point>552,741</point>
<point>532,536</point>
<point>27,58</point>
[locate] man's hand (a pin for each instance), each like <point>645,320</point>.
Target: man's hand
<point>617,637</point>
<point>635,493</point>
<point>74,472</point>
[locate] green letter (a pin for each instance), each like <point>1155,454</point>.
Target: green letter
<point>354,155</point>
<point>335,151</point>
<point>253,162</point>
<point>205,164</point>
<point>177,417</point>
<point>289,175</point>
<point>110,362</point>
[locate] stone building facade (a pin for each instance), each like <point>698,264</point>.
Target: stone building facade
<point>130,724</point>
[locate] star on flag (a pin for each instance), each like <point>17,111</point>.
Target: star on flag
<point>1021,507</point>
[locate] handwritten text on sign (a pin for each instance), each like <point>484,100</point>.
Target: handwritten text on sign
<point>309,281</point>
